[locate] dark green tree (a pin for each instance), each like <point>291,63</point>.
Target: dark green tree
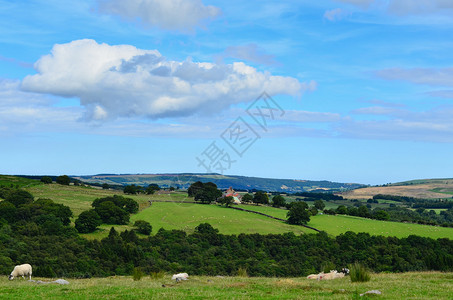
<point>247,198</point>
<point>278,201</point>
<point>8,211</point>
<point>260,198</point>
<point>46,180</point>
<point>105,186</point>
<point>112,214</point>
<point>132,189</point>
<point>88,221</point>
<point>207,194</point>
<point>63,180</point>
<point>19,197</point>
<point>152,188</point>
<point>227,200</point>
<point>298,214</point>
<point>195,188</point>
<point>319,204</point>
<point>143,227</point>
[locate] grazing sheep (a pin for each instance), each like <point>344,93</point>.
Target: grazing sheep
<point>314,276</point>
<point>332,275</point>
<point>21,270</point>
<point>180,276</point>
<point>326,276</point>
<point>345,271</point>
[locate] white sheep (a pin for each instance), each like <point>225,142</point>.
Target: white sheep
<point>180,276</point>
<point>332,275</point>
<point>21,270</point>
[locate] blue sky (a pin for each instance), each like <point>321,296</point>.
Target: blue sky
<point>360,90</point>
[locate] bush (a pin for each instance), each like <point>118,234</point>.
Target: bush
<point>137,274</point>
<point>359,273</point>
<point>242,272</point>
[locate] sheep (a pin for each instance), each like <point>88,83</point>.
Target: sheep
<point>314,276</point>
<point>180,276</point>
<point>21,270</point>
<point>326,276</point>
<point>332,275</point>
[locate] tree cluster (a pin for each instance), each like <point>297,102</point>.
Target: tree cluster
<point>204,192</point>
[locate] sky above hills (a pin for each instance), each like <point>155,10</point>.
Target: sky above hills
<point>345,90</point>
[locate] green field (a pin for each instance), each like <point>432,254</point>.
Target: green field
<point>337,224</point>
<point>228,221</point>
<point>414,285</point>
<point>188,216</point>
<point>8,180</point>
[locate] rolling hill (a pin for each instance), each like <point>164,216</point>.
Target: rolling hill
<point>184,180</point>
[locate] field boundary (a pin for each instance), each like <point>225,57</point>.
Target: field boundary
<point>275,218</point>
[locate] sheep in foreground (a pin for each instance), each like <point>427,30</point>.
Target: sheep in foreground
<point>180,276</point>
<point>21,270</point>
<point>326,276</point>
<point>332,275</point>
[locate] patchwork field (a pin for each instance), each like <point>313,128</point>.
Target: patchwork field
<point>414,285</point>
<point>186,216</point>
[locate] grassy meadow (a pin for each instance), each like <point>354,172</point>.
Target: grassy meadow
<point>413,285</point>
<point>186,216</point>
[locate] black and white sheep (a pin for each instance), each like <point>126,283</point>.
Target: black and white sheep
<point>21,270</point>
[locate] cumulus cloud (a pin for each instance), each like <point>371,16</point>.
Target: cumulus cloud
<point>427,76</point>
<point>250,52</point>
<point>182,15</point>
<point>123,81</point>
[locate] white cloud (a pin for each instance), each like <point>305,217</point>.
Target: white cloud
<point>123,81</point>
<point>336,14</point>
<point>183,15</point>
<point>426,76</point>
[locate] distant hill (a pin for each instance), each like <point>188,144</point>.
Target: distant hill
<point>222,181</point>
<point>419,188</point>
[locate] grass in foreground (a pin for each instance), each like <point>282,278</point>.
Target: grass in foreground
<point>426,285</point>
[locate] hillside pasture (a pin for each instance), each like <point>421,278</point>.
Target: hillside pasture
<point>337,224</point>
<point>424,191</point>
<point>21,182</point>
<point>413,285</point>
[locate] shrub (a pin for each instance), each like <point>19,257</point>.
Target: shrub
<point>242,272</point>
<point>359,273</point>
<point>137,274</point>
<point>157,275</point>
